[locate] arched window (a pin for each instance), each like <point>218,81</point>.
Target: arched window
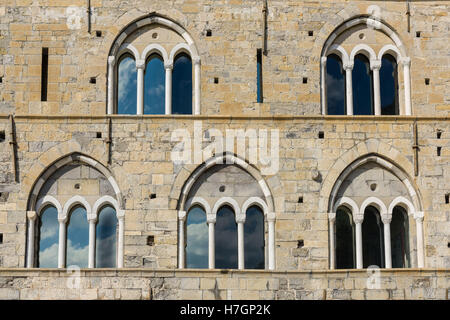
<point>196,238</point>
<point>77,238</point>
<point>362,86</point>
<point>182,85</point>
<point>372,238</point>
<point>389,86</point>
<point>105,238</point>
<point>127,86</point>
<point>400,238</point>
<point>154,85</point>
<point>226,247</point>
<point>335,86</point>
<point>48,238</point>
<point>345,243</point>
<point>254,238</point>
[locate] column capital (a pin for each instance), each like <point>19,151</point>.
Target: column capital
<point>358,218</point>
<point>332,216</point>
<point>271,216</point>
<point>182,215</point>
<point>418,216</point>
<point>196,60</point>
<point>120,214</point>
<point>140,64</point>
<point>348,66</point>
<point>62,219</point>
<point>240,218</point>
<point>31,215</point>
<point>323,60</point>
<point>210,218</point>
<point>92,218</point>
<point>406,61</point>
<point>111,60</point>
<point>375,64</point>
<point>386,218</point>
<point>168,66</point>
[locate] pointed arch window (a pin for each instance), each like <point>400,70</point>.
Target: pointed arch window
<point>226,246</point>
<point>48,238</point>
<point>335,86</point>
<point>196,238</point>
<point>182,84</point>
<point>154,85</point>
<point>254,238</point>
<point>372,238</point>
<point>400,238</point>
<point>106,238</point>
<point>389,86</point>
<point>345,239</point>
<point>77,252</point>
<point>126,85</point>
<point>362,82</point>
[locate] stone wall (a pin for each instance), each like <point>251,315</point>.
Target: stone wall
<point>236,285</point>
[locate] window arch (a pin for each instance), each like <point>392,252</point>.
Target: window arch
<point>126,85</point>
<point>196,238</point>
<point>77,248</point>
<point>154,92</point>
<point>48,238</point>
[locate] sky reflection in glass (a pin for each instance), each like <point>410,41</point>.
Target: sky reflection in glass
<point>226,246</point>
<point>388,86</point>
<point>196,239</point>
<point>362,86</point>
<point>78,238</point>
<point>49,238</point>
<point>154,86</point>
<point>335,82</point>
<point>127,88</point>
<point>105,246</point>
<point>182,85</point>
<point>254,238</point>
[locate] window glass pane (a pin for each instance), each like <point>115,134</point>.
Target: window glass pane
<point>388,86</point>
<point>196,239</point>
<point>254,238</point>
<point>362,86</point>
<point>105,245</point>
<point>49,238</point>
<point>335,86</point>
<point>126,88</point>
<point>226,239</point>
<point>154,86</point>
<point>78,239</point>
<point>372,238</point>
<point>345,246</point>
<point>182,85</point>
<point>400,238</point>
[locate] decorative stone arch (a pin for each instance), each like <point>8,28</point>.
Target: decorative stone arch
<point>46,201</point>
<point>255,201</point>
<point>199,201</point>
<point>365,50</point>
<point>180,48</point>
<point>188,47</point>
<point>348,203</point>
<point>102,202</point>
<point>155,48</point>
<point>130,49</point>
<point>392,50</point>
<point>375,202</point>
<point>231,203</point>
<point>404,203</point>
<point>72,203</point>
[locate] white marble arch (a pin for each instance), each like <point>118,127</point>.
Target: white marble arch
<point>348,203</point>
<point>200,202</point>
<point>376,202</point>
<point>365,50</point>
<point>230,202</point>
<point>155,48</point>
<point>48,200</point>
<point>257,201</point>
<point>130,49</point>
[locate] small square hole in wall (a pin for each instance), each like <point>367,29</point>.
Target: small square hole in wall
<point>1,79</point>
<point>310,33</point>
<point>300,243</point>
<point>153,196</point>
<point>427,81</point>
<point>216,80</point>
<point>2,136</point>
<point>447,198</point>
<point>417,34</point>
<point>321,135</point>
<point>438,151</point>
<point>150,240</point>
<point>208,33</point>
<point>98,33</point>
<point>300,199</point>
<point>93,80</point>
<point>1,237</point>
<point>305,80</point>
<point>438,134</point>
<point>448,244</point>
<point>98,135</point>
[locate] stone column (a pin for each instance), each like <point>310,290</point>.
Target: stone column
<point>418,216</point>
<point>323,68</point>
<point>111,62</point>
<point>375,66</point>
<point>32,217</point>
<point>62,242</point>
<point>407,80</point>
<point>197,63</point>
<point>358,219</point>
<point>240,220</point>
<point>332,220</point>
<point>211,220</point>
<point>348,67</point>
<point>387,240</point>
<point>92,218</point>
<point>181,238</point>
<point>121,218</point>
<point>140,66</point>
<point>168,68</point>
<point>271,222</point>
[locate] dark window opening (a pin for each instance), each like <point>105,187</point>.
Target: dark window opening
<point>400,238</point>
<point>254,238</point>
<point>335,86</point>
<point>44,74</point>
<point>389,86</point>
<point>362,86</point>
<point>372,238</point>
<point>226,246</point>
<point>182,85</point>
<point>345,240</point>
<point>259,76</point>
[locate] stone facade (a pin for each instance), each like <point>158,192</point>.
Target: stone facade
<point>73,120</point>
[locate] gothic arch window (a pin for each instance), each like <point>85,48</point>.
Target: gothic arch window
<point>400,238</point>
<point>372,83</point>
<point>154,85</point>
<point>182,84</point>
<point>77,247</point>
<point>126,85</point>
<point>335,85</point>
<point>48,237</point>
<point>254,238</point>
<point>389,85</point>
<point>372,238</point>
<point>362,86</point>
<point>166,74</point>
<point>196,238</point>
<point>226,239</point>
<point>106,238</point>
<point>345,239</point>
